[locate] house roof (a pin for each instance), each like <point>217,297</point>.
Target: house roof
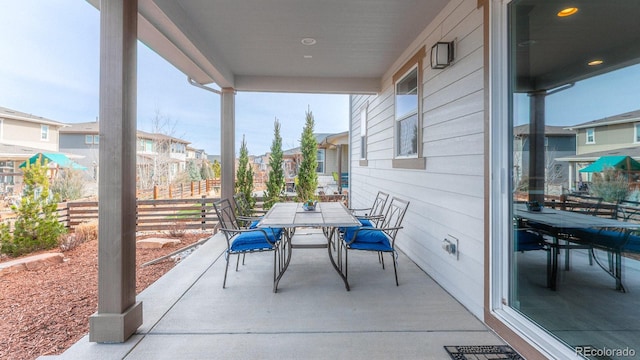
<point>155,136</point>
<point>17,115</point>
<point>628,117</point>
<point>92,127</point>
<point>523,130</point>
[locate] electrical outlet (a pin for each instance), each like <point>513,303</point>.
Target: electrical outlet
<point>451,245</point>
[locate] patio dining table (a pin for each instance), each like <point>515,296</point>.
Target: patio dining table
<point>328,216</point>
<point>571,226</point>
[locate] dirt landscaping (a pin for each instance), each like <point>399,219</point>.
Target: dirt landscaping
<point>45,311</point>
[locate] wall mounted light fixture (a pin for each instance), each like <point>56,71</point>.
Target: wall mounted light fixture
<point>441,55</point>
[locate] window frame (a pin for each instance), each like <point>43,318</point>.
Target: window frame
<point>323,162</point>
<point>417,160</point>
<point>636,133</point>
<point>593,135</point>
<point>364,119</point>
<point>44,132</point>
<point>88,139</point>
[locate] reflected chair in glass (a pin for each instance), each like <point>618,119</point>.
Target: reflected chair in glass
<point>241,241</point>
<point>380,239</point>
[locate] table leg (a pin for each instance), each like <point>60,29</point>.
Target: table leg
<point>335,266</point>
<point>286,253</point>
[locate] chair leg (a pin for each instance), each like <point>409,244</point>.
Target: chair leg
<point>238,261</point>
<point>381,258</point>
<point>395,268</point>
<point>224,282</point>
<point>242,259</point>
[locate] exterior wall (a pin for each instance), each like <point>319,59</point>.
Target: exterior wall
<point>607,137</point>
<point>73,143</point>
<point>26,133</point>
<point>450,191</point>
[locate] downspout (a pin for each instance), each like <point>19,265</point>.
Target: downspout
<point>197,84</point>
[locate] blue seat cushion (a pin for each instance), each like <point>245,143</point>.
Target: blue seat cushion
<point>633,245</point>
<point>366,237</point>
<point>254,224</point>
<point>527,241</point>
<point>366,222</point>
<point>255,240</point>
<point>384,245</point>
<point>608,239</point>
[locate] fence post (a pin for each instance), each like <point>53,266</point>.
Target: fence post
<point>192,189</point>
<point>203,213</point>
<point>199,187</point>
<point>155,192</point>
<point>207,186</point>
<point>170,192</point>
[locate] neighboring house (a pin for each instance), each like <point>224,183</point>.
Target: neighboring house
<point>608,133</point>
<point>196,154</point>
<point>23,135</point>
<point>558,142</point>
<point>83,139</point>
<point>610,136</point>
<point>333,157</point>
<point>160,158</point>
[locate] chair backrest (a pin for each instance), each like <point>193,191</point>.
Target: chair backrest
<point>394,215</point>
<point>378,204</point>
<point>226,215</point>
<point>242,205</point>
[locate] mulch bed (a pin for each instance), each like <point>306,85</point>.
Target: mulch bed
<point>45,311</point>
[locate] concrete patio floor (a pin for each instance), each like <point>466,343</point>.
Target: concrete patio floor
<point>187,314</point>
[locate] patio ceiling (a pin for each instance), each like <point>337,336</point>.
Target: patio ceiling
<point>552,51</point>
<point>256,45</point>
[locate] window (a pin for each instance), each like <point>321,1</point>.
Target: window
<point>525,289</point>
<point>320,168</point>
<point>363,133</point>
<point>591,136</point>
<point>44,132</point>
<point>92,139</point>
<point>407,115</point>
<point>407,81</point>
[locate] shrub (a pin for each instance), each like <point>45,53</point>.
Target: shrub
<point>71,241</point>
<point>88,230</point>
<point>68,185</point>
<point>610,185</point>
<point>36,226</point>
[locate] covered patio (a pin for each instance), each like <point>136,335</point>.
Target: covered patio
<point>188,315</point>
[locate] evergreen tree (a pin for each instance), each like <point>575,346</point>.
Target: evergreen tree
<point>307,175</point>
<point>275,183</point>
<point>244,174</point>
<point>193,171</point>
<point>206,171</point>
<point>37,226</point>
<point>217,169</point>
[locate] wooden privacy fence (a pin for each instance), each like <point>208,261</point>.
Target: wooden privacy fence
<point>151,215</point>
<point>181,191</point>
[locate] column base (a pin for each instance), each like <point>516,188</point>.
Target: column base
<point>115,328</point>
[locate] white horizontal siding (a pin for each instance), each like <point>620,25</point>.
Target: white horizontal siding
<point>447,198</point>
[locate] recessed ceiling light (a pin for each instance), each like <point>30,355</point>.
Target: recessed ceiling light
<point>595,62</point>
<point>567,11</point>
<point>308,41</point>
<point>308,56</point>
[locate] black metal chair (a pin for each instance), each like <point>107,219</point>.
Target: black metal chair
<point>374,214</point>
<point>380,239</point>
<point>241,241</point>
<point>247,216</point>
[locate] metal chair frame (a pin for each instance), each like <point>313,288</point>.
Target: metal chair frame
<point>232,231</point>
<point>389,226</point>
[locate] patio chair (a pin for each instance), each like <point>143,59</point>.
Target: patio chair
<point>372,215</point>
<point>380,239</point>
<point>247,216</point>
<point>241,241</point>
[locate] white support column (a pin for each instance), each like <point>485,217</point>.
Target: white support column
<point>227,143</point>
<point>119,315</point>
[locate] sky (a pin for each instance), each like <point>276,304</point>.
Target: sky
<point>50,67</point>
